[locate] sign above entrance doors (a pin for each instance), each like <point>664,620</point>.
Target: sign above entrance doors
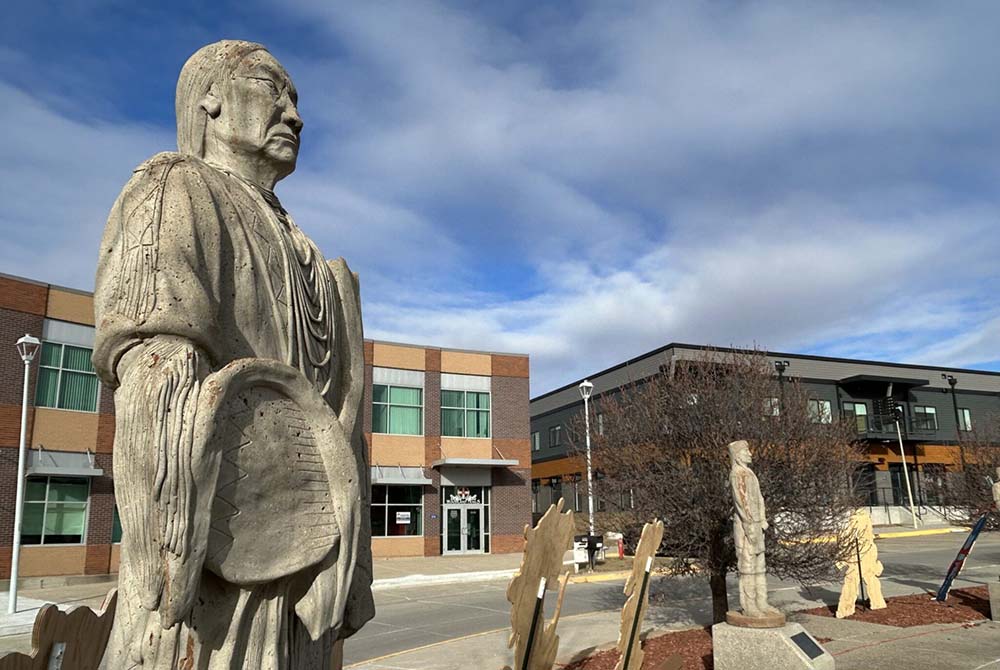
<point>463,496</point>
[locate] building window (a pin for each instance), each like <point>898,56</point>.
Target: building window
<point>578,493</point>
<point>66,378</point>
<point>536,441</point>
<point>116,527</point>
<point>534,494</point>
<point>55,510</point>
<point>924,417</point>
<point>397,510</point>
<point>555,436</point>
<point>600,423</point>
<point>820,411</point>
<point>858,413</point>
<point>772,407</point>
<point>556,484</point>
<point>397,410</point>
<point>964,419</point>
<point>465,414</point>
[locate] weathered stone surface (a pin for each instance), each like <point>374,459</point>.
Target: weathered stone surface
<point>236,355</point>
<point>863,564</point>
<point>994,588</point>
<point>788,647</point>
<point>749,525</point>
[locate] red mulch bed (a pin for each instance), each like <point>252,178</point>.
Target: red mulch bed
<point>695,646</point>
<point>963,605</point>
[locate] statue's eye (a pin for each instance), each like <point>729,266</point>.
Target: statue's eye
<point>275,92</point>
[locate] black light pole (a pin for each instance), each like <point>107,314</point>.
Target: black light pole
<point>780,367</point>
<point>952,382</point>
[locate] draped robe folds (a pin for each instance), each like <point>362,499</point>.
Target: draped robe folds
<point>198,269</point>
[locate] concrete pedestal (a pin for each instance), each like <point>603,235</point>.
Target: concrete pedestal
<point>994,600</point>
<point>788,647</point>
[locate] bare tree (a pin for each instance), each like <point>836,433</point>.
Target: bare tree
<point>663,450</point>
<point>970,490</point>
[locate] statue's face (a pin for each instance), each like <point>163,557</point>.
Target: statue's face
<point>743,455</point>
<point>258,115</point>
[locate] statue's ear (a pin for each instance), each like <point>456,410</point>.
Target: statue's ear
<point>211,105</point>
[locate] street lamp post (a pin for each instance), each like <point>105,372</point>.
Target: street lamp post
<point>586,388</point>
<point>27,347</point>
<point>952,382</point>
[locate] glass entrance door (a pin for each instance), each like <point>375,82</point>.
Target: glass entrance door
<point>463,531</point>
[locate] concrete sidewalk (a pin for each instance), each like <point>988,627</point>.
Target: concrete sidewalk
<point>855,645</point>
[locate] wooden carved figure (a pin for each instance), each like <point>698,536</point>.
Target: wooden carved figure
<point>535,643</point>
<point>861,565</point>
<point>637,592</point>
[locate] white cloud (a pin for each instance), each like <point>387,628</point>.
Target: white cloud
<point>587,186</point>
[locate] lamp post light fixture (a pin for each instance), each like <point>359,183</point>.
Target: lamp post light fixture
<point>780,367</point>
<point>27,347</point>
<point>586,388</point>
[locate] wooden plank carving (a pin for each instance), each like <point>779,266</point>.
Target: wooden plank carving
<point>862,566</point>
<point>637,592</point>
<point>535,643</point>
<point>70,640</point>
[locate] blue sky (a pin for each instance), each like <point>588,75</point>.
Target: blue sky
<point>578,181</point>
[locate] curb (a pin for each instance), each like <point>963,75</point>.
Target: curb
<point>919,533</point>
<point>584,578</point>
<point>450,578</point>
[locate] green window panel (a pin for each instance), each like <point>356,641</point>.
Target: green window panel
<point>116,527</point>
<point>55,510</point>
<point>66,378</point>
<point>397,410</point>
<point>465,414</point>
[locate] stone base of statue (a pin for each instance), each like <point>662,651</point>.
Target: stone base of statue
<point>741,620</point>
<point>995,600</point>
<point>788,647</point>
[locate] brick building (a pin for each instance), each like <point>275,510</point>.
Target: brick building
<point>447,433</point>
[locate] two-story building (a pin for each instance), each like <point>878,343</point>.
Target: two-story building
<point>447,433</point>
<point>941,407</point>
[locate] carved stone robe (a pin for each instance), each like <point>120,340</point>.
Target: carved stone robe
<point>230,560</point>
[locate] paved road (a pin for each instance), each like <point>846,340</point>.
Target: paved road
<point>412,617</point>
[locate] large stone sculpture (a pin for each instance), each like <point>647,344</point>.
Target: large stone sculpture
<point>749,525</point>
<point>235,352</point>
<point>759,636</point>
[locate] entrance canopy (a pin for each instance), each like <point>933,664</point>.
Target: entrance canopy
<point>397,474</point>
<point>61,464</point>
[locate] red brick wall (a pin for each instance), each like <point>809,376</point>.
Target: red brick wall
<point>432,515</point>
<point>510,504</point>
<point>13,325</point>
<point>22,296</point>
<point>98,559</point>
<point>507,544</point>
<point>511,417</point>
<point>8,497</point>
<point>510,366</point>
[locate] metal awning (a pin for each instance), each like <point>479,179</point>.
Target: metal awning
<point>61,464</point>
<point>477,462</point>
<point>896,381</point>
<point>397,474</point>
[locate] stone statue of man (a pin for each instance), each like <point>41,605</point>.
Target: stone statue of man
<point>749,525</point>
<point>996,490</point>
<point>236,355</point>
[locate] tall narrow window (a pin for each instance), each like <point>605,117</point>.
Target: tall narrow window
<point>536,441</point>
<point>820,411</point>
<point>858,413</point>
<point>925,417</point>
<point>397,410</point>
<point>964,419</point>
<point>66,378</point>
<point>772,407</point>
<point>555,436</point>
<point>465,413</point>
<point>55,510</point>
<point>600,423</point>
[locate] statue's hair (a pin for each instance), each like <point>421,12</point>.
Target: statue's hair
<point>209,64</point>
